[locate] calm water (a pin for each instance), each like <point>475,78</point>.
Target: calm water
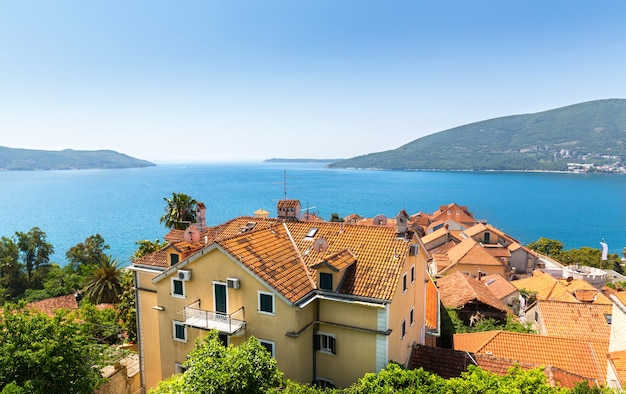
<point>125,205</point>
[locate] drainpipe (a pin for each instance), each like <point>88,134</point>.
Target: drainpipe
<point>315,330</point>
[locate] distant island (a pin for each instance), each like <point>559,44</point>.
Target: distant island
<point>587,137</point>
<point>278,160</point>
<point>13,159</point>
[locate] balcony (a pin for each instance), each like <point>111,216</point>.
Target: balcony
<point>225,323</point>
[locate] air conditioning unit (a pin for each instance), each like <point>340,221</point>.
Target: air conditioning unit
<point>184,275</point>
<point>233,283</point>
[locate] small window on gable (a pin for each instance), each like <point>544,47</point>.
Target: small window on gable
<point>403,332</point>
<point>173,259</point>
<point>412,273</point>
<point>178,288</point>
<point>266,303</point>
<point>404,284</point>
<point>411,317</point>
<point>414,250</point>
<point>180,331</point>
<point>458,213</point>
<point>326,281</point>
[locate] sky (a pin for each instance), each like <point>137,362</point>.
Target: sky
<point>238,80</point>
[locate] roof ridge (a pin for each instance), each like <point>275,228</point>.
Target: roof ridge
<point>306,269</point>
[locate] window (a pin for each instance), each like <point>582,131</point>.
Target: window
<point>487,238</point>
<point>411,317</point>
<point>412,273</point>
<point>403,282</point>
<point>324,383</point>
<point>325,343</point>
<point>180,331</point>
<point>269,345</point>
<point>326,281</point>
<point>178,288</point>
<point>403,328</point>
<point>173,259</point>
<point>179,368</point>
<point>266,303</point>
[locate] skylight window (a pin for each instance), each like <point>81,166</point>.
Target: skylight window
<point>312,232</point>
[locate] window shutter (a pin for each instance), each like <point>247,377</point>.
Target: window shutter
<point>316,342</point>
<point>332,344</point>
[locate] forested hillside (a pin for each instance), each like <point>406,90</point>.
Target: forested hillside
<point>591,134</point>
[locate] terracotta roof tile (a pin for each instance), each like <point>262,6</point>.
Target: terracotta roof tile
<point>575,320</point>
<point>457,289</point>
<point>580,357</point>
<point>618,362</point>
<point>498,285</point>
<point>432,304</point>
<point>550,288</point>
<point>50,305</point>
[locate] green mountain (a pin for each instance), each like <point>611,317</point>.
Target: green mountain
<point>68,159</point>
<point>591,134</point>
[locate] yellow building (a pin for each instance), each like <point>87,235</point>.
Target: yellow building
<point>330,301</point>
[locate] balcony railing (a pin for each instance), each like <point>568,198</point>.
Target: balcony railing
<point>223,322</point>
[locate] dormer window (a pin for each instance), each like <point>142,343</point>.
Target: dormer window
<point>326,281</point>
<point>173,259</point>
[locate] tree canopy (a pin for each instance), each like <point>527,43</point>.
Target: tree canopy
<point>42,354</point>
<point>180,211</point>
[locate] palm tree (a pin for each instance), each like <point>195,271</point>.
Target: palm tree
<point>103,283</point>
<point>179,212</point>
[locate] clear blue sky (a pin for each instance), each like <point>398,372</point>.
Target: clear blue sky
<point>181,81</point>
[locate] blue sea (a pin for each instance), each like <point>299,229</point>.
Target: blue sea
<point>124,206</point>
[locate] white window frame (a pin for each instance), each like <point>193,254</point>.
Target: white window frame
<point>179,368</point>
<point>273,312</point>
<point>411,317</point>
<point>178,295</point>
<point>176,323</point>
<point>412,274</point>
<point>327,349</point>
<point>272,343</point>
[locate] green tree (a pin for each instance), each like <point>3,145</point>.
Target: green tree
<point>41,354</point>
<point>180,211</point>
<point>214,368</point>
<point>127,307</point>
<point>546,246</point>
<point>12,278</point>
<point>87,253</point>
<point>145,247</point>
<point>35,250</point>
<point>103,281</point>
<point>334,217</point>
<point>591,257</point>
<point>101,325</point>
<point>394,378</point>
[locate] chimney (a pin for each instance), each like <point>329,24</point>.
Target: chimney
<point>201,216</point>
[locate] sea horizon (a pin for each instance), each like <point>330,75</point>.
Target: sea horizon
<point>124,206</point>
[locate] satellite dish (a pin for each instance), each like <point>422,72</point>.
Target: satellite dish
<point>379,220</point>
<point>320,245</point>
<point>192,235</point>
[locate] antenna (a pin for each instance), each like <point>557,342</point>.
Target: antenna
<point>284,182</point>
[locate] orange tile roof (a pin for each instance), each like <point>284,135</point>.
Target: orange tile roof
<point>50,305</point>
<point>457,289</point>
<point>464,216</point>
<point>498,285</point>
<point>289,203</point>
<point>550,288</point>
<point>575,320</point>
<point>580,357</point>
<point>338,261</point>
<point>468,252</point>
<point>618,362</point>
<point>277,251</point>
<point>271,255</point>
<point>432,304</point>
